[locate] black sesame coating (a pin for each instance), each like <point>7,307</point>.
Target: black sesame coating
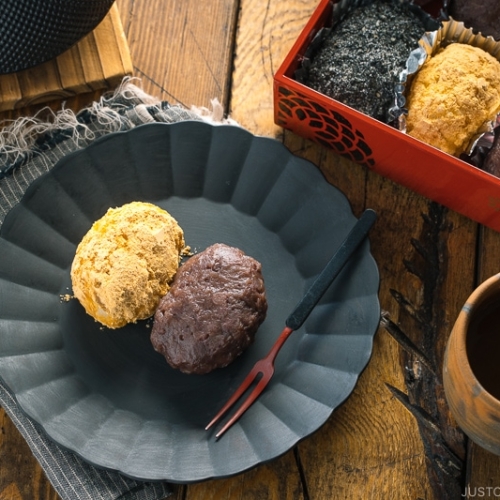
<point>359,62</point>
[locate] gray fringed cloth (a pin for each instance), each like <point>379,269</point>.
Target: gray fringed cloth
<point>29,147</point>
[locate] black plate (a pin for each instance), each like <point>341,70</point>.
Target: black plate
<point>106,394</point>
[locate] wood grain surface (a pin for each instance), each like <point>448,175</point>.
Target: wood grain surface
<point>182,50</point>
<point>394,437</point>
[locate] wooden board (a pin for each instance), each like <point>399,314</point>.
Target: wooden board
<point>182,50</point>
<point>98,62</point>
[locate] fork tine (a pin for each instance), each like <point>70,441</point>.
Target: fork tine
<point>236,395</point>
<point>246,404</point>
<point>264,366</point>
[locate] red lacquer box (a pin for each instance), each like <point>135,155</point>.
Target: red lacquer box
<point>380,147</point>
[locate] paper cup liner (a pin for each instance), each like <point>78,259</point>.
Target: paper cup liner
<point>450,32</point>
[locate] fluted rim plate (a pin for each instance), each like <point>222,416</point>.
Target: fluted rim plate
<point>106,394</point>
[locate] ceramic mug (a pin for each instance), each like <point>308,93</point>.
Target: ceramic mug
<point>471,371</point>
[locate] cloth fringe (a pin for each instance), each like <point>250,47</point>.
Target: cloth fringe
<point>22,138</point>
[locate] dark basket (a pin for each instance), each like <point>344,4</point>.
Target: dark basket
<point>35,31</point>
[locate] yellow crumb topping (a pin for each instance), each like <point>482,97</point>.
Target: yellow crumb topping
<point>453,97</point>
<point>126,262</point>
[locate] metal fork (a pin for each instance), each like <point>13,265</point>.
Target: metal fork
<point>265,366</point>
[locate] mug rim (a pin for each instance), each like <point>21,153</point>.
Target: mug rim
<point>475,299</point>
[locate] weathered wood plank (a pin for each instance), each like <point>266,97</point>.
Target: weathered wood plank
<point>182,50</point>
<point>267,31</point>
<point>21,477</point>
<point>278,480</point>
<point>483,478</point>
<point>426,317</point>
<point>110,39</point>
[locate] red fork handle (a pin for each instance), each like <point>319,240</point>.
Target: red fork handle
<point>273,352</point>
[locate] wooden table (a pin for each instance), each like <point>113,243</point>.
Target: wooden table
<point>394,438</point>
